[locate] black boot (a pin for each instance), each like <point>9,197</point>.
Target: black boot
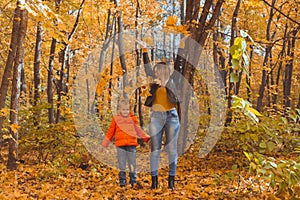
<point>154,182</point>
<point>171,182</point>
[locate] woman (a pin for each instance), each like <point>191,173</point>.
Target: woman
<point>164,117</point>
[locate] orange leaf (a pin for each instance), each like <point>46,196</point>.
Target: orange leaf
<point>171,21</point>
<point>14,127</point>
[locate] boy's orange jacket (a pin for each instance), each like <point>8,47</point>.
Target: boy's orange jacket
<point>126,130</point>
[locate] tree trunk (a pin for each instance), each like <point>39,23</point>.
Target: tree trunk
<point>248,79</point>
<point>231,89</point>
<point>182,12</point>
<point>264,78</point>
<point>9,64</point>
<point>50,82</point>
<point>112,61</point>
<point>121,50</point>
<point>280,58</point>
<point>289,69</point>
<point>15,94</point>
<point>62,84</point>
<point>36,71</point>
<point>275,84</point>
<point>108,32</point>
<point>184,105</point>
<point>138,98</point>
<point>105,45</point>
<point>50,79</point>
<point>199,34</point>
<point>23,80</point>
<point>218,56</point>
<point>269,82</point>
<point>88,89</point>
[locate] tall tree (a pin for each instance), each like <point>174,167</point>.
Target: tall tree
<point>279,69</point>
<point>62,83</point>
<point>231,89</point>
<point>36,70</point>
<point>266,59</point>
<point>50,78</point>
<point>218,53</point>
<point>9,63</point>
<point>121,48</point>
<point>50,82</point>
<point>199,32</point>
<point>287,83</point>
<point>108,33</point>
<point>15,94</point>
<point>138,97</point>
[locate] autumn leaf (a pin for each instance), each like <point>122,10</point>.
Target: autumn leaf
<point>254,111</point>
<point>183,30</point>
<point>4,112</point>
<point>14,127</point>
<point>145,93</point>
<point>172,20</point>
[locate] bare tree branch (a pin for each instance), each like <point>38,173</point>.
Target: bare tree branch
<point>281,12</point>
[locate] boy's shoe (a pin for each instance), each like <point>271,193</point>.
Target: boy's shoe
<point>171,182</point>
<point>154,184</point>
<point>122,183</point>
<point>132,183</point>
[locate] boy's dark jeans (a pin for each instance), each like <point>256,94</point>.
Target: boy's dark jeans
<point>127,154</point>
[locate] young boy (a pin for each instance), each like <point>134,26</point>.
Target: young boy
<point>125,128</point>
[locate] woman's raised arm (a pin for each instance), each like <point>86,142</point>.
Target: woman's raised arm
<point>147,63</point>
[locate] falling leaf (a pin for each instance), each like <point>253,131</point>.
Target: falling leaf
<point>145,93</point>
<point>14,127</point>
<point>172,20</point>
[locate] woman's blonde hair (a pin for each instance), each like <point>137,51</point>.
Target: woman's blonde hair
<point>161,65</point>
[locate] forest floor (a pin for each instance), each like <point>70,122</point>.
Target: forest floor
<point>211,177</point>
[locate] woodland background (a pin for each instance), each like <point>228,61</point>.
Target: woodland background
<point>255,47</point>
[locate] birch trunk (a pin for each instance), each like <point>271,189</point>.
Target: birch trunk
<point>36,70</point>
<point>15,94</point>
<point>9,64</point>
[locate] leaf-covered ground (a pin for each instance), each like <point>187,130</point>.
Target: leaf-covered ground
<point>211,177</point>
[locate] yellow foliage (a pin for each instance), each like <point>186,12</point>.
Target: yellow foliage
<point>145,92</point>
<point>171,26</point>
<point>172,20</point>
<point>4,112</point>
<point>14,127</point>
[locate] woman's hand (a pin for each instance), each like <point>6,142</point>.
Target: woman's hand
<point>157,81</point>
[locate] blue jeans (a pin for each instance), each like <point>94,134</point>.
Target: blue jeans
<point>169,122</point>
<point>127,154</point>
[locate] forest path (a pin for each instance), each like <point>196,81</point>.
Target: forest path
<point>211,177</point>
